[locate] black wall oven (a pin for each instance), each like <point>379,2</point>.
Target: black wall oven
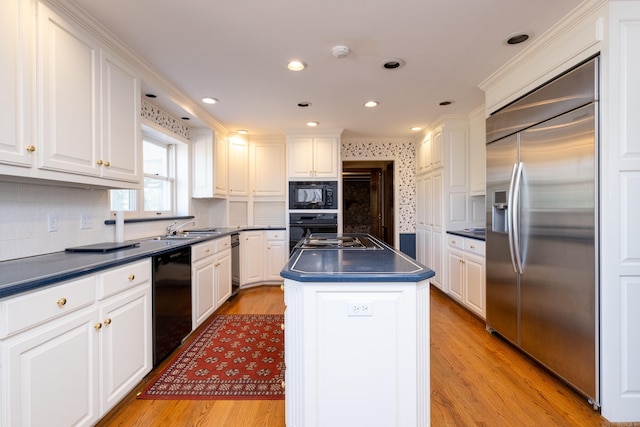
<point>313,195</point>
<point>302,225</point>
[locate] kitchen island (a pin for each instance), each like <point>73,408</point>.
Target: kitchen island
<point>356,334</point>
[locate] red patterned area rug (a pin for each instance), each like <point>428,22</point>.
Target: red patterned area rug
<point>236,357</point>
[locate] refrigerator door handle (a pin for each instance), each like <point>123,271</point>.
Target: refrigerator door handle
<point>510,216</point>
<point>516,218</point>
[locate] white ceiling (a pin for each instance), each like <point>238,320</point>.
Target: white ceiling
<point>237,50</point>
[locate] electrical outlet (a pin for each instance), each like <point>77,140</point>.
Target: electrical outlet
<point>86,222</point>
<point>52,222</point>
<point>360,308</point>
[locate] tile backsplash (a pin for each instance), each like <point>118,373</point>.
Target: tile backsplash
<point>28,211</point>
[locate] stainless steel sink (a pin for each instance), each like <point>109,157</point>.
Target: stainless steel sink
<point>176,237</point>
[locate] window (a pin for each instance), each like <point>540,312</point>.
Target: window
<point>162,156</point>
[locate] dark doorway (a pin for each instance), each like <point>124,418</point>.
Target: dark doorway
<point>367,199</point>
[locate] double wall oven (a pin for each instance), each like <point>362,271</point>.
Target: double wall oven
<point>313,207</point>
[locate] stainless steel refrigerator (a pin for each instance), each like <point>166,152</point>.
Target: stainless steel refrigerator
<point>542,226</point>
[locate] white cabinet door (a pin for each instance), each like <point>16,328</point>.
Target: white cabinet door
<point>126,343</point>
<point>475,291</point>
<point>209,166</point>
<point>50,374</point>
<point>267,169</point>
<point>276,259</point>
<point>222,278</point>
<point>436,149</point>
<point>238,168</point>
<point>251,257</point>
<point>120,146</point>
<point>300,157</point>
<point>456,277</point>
<point>203,276</point>
<point>68,96</point>
<point>325,154</point>
<point>220,167</point>
<point>16,82</point>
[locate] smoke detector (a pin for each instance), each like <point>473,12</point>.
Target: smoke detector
<point>340,51</point>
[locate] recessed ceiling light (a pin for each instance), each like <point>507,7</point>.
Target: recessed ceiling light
<point>296,65</point>
<point>312,124</point>
<point>371,104</point>
<point>150,95</point>
<point>416,128</point>
<point>304,104</point>
<point>209,100</point>
<point>242,131</point>
<point>185,118</point>
<point>391,64</point>
<point>517,38</point>
<point>443,103</point>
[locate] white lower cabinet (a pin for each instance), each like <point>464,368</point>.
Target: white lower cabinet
<point>276,257</point>
<point>211,277</point>
<point>74,364</point>
<point>466,273</point>
<point>262,256</point>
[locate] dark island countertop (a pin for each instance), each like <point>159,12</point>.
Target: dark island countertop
<point>26,274</point>
<point>354,265</point>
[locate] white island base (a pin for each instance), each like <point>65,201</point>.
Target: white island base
<point>357,354</point>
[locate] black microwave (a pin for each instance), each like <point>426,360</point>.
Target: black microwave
<point>313,194</point>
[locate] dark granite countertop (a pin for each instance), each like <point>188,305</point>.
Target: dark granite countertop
<point>470,234</point>
<point>354,265</point>
<point>25,274</point>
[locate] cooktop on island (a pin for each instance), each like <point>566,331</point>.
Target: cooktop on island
<point>333,241</point>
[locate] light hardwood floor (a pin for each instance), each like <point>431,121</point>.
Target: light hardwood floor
<point>476,380</point>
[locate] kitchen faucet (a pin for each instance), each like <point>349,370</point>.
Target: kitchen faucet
<point>171,230</point>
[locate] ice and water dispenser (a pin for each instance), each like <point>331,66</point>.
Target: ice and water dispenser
<point>500,212</point>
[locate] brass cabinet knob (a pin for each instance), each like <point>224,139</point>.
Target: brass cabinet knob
<point>97,326</point>
<point>282,287</point>
<point>206,251</point>
<point>100,162</point>
<point>31,148</point>
<point>216,264</point>
<point>107,321</point>
<point>472,247</point>
<point>132,277</point>
<point>107,164</point>
<point>61,302</point>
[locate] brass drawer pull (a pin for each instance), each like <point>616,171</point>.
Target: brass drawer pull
<point>61,302</point>
<point>132,277</point>
<point>107,321</point>
<point>97,326</point>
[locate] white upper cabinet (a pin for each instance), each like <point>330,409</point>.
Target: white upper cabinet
<point>120,119</point>
<point>209,164</point>
<point>68,101</point>
<point>477,153</point>
<point>267,168</point>
<point>429,152</point>
<point>238,167</point>
<point>311,156</point>
<point>17,82</point>
<point>71,106</point>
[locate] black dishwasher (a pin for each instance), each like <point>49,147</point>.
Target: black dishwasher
<point>171,301</point>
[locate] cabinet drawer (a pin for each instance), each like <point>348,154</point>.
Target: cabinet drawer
<point>119,279</point>
<point>456,242</point>
<point>275,234</point>
<point>474,246</point>
<point>202,250</point>
<point>24,311</point>
<point>222,243</point>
